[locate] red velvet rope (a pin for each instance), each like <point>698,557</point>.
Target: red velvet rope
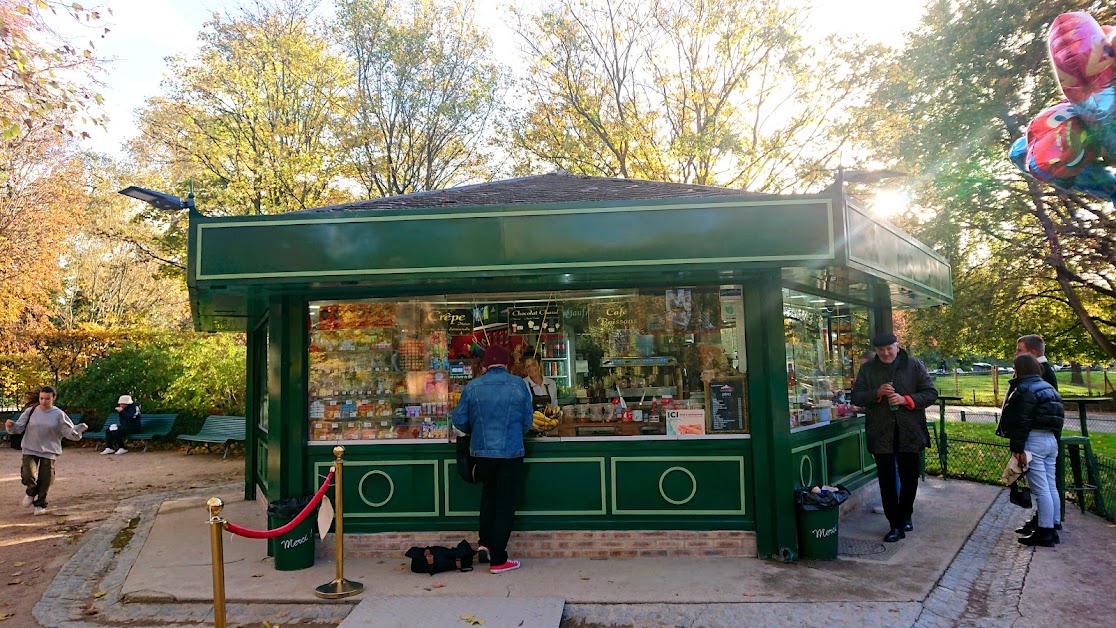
<point>270,534</point>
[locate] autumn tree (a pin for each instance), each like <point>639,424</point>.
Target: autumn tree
<point>255,114</point>
<point>426,91</point>
<point>45,80</point>
<point>39,194</point>
<point>1027,258</point>
<point>698,91</point>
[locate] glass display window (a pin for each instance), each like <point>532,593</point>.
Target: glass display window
<point>665,362</point>
<point>826,342</point>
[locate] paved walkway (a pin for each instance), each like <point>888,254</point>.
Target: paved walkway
<point>962,565</point>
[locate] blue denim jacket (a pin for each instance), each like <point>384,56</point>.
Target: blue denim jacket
<point>495,409</point>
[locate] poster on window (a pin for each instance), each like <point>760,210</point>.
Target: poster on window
<point>679,309</point>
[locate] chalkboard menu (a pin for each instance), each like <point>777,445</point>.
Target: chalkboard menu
<point>728,405</point>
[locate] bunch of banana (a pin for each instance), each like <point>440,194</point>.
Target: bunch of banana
<point>543,423</point>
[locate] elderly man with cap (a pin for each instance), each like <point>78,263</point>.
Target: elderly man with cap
<point>895,389</point>
<point>495,410</point>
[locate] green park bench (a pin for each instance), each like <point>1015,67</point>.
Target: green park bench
<point>154,426</point>
<point>217,430</point>
<point>74,418</point>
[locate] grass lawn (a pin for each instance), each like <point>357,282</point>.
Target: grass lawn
<point>976,388</point>
<point>1103,444</point>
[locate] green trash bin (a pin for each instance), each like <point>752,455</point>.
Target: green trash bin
<point>295,549</point>
<point>818,516</point>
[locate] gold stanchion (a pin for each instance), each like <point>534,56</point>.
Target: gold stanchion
<point>216,527</point>
<point>339,587</point>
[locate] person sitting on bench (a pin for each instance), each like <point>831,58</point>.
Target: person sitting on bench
<point>130,423</point>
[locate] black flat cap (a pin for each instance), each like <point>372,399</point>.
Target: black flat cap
<point>884,340</point>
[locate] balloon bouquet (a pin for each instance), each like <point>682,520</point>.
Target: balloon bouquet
<point>1072,144</point>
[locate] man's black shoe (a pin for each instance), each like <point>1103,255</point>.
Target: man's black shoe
<point>1057,526</point>
<point>908,526</point>
<point>1041,537</point>
<point>894,535</point>
<point>1028,527</point>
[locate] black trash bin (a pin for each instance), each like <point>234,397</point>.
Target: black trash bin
<point>818,515</point>
<point>295,549</point>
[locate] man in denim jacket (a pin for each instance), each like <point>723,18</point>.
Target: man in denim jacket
<point>495,409</point>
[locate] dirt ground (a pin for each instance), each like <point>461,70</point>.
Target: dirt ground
<point>87,488</point>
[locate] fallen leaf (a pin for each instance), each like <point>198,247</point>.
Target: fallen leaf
<point>585,577</point>
<point>99,594</point>
<point>18,564</point>
<point>747,594</point>
<point>472,620</point>
<point>15,582</point>
<point>4,616</point>
<point>257,575</point>
<point>438,585</point>
<point>18,573</point>
<point>281,614</point>
<point>89,610</point>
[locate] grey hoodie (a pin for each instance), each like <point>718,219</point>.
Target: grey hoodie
<point>43,431</point>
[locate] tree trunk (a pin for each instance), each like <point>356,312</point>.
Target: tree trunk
<point>1075,374</point>
<point>1063,277</point>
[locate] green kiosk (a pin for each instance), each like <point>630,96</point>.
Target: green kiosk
<point>699,344</point>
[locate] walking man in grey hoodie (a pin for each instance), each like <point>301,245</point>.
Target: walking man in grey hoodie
<point>43,428</point>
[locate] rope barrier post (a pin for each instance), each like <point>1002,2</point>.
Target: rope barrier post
<point>339,587</point>
<point>216,527</point>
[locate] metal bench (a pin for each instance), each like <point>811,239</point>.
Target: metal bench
<point>154,426</point>
<point>217,430</point>
<point>4,435</point>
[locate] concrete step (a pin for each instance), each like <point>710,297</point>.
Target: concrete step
<point>445,612</point>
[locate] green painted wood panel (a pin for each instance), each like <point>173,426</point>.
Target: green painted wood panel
<point>388,488</point>
<point>633,235</point>
<point>558,486</point>
<point>843,459</point>
<point>646,485</point>
<point>883,250</point>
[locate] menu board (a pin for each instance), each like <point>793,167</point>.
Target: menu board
<point>535,319</point>
<point>728,408</point>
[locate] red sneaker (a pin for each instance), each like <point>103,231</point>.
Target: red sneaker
<point>508,566</point>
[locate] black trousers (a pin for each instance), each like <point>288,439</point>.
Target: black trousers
<point>898,502</point>
<point>115,438</point>
<point>501,485</point>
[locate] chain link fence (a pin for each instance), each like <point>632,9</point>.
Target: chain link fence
<point>982,460</point>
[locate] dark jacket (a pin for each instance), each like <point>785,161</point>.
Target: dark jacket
<point>902,430</point>
<point>130,418</point>
<point>1032,405</point>
<point>495,410</point>
<point>1049,376</point>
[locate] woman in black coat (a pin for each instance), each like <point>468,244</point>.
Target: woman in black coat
<point>130,423</point>
<point>1032,419</point>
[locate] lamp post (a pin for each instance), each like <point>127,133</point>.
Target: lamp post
<point>160,200</point>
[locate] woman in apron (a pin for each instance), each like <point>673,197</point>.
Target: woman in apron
<point>543,390</point>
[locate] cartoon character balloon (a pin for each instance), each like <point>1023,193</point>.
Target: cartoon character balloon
<point>1072,144</point>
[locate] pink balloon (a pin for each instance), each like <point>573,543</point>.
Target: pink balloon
<point>1083,55</point>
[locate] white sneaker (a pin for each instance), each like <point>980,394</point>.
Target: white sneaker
<point>28,500</point>
<point>121,451</point>
<point>40,510</point>
<point>107,450</point>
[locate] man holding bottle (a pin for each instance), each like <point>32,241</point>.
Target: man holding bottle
<point>895,389</point>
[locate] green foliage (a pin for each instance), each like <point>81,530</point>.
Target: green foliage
<point>1026,259</point>
<point>426,90</point>
<point>192,375</point>
<point>714,93</point>
<point>256,115</point>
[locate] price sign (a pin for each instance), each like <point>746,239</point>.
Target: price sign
<point>728,408</point>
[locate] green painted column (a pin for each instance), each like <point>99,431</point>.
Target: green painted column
<point>287,402</point>
<point>252,382</point>
<point>776,532</point>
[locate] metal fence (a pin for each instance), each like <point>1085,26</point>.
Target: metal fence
<point>1101,422</point>
<point>980,460</point>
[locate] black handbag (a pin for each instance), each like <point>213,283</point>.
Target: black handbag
<point>466,463</point>
<point>1019,495</point>
<point>436,559</point>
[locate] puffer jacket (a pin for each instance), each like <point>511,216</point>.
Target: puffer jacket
<point>495,410</point>
<point>910,379</point>
<point>1032,405</point>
